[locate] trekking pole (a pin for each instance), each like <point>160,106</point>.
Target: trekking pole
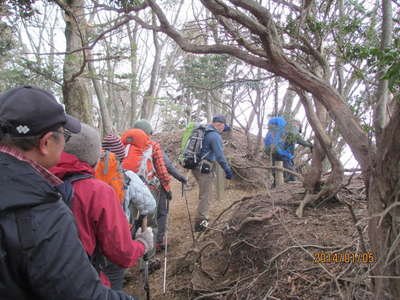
<point>166,250</point>
<point>143,221</point>
<point>146,265</point>
<point>188,211</point>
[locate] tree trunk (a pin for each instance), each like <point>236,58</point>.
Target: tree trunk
<point>105,114</point>
<point>286,108</point>
<point>382,93</point>
<point>150,96</point>
<point>134,89</point>
<point>75,91</point>
<point>334,182</point>
<point>384,209</point>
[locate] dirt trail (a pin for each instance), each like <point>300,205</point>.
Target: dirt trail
<point>180,238</point>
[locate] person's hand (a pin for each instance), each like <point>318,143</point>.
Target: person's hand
<point>168,195</point>
<point>228,174</point>
<point>146,238</point>
<point>184,180</point>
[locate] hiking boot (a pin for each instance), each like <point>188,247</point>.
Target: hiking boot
<point>201,225</point>
<point>154,265</point>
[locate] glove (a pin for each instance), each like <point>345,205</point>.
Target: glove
<point>146,238</point>
<point>168,195</point>
<point>184,180</point>
<point>228,174</point>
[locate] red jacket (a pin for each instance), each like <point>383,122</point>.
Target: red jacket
<point>99,216</point>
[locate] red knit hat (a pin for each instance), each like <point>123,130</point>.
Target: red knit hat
<point>113,144</point>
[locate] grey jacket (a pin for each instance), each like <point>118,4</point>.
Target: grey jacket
<point>138,194</point>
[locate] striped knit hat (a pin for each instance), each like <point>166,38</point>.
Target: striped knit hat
<point>113,144</point>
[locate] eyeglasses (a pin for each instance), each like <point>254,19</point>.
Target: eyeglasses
<point>67,135</point>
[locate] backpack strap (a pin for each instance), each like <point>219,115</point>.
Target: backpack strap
<point>143,171</point>
<point>66,189</point>
<point>106,160</point>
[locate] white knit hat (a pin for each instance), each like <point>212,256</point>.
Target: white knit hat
<point>85,145</point>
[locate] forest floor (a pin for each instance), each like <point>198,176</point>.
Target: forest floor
<point>257,248</point>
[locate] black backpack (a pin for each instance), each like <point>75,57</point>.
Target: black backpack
<point>66,189</point>
<point>190,157</point>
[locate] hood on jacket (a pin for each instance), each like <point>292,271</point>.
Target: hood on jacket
<point>211,128</point>
<point>278,122</point>
<point>69,164</point>
<point>21,186</point>
<point>136,137</point>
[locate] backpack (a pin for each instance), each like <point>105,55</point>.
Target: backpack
<point>109,170</point>
<point>139,155</point>
<point>66,189</point>
<point>276,135</point>
<point>192,143</point>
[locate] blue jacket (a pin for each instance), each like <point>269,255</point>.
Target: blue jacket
<point>213,149</point>
<point>276,137</point>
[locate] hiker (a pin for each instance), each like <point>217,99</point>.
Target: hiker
<point>41,254</point>
<point>100,219</point>
<point>136,194</point>
<point>211,151</point>
<point>163,206</point>
<point>144,157</point>
<point>279,143</point>
<point>294,137</point>
<point>137,197</point>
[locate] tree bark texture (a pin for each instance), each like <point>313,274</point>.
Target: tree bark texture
<point>75,91</point>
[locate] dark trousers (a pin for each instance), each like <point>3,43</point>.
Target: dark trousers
<point>162,215</point>
<point>116,275</point>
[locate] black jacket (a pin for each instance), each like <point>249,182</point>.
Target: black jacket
<point>41,256</point>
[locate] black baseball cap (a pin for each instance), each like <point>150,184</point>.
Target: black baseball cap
<point>221,119</point>
<point>30,111</point>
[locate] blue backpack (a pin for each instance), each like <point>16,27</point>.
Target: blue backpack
<point>274,141</point>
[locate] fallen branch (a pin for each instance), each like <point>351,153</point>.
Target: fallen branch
<point>271,168</point>
<point>256,219</point>
<point>224,211</point>
<point>212,294</point>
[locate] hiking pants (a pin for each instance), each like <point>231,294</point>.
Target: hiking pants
<point>116,275</point>
<point>162,215</point>
<point>205,182</point>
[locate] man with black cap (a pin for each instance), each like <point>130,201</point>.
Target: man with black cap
<point>212,151</point>
<point>41,256</point>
